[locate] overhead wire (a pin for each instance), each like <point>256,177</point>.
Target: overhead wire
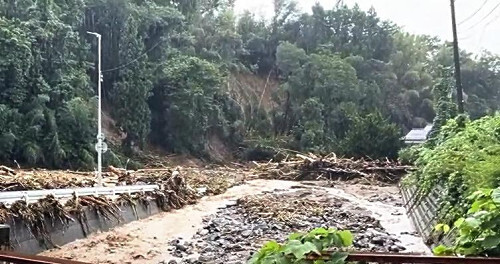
<point>486,26</point>
<point>493,20</point>
<point>474,13</point>
<point>134,60</point>
<point>469,36</point>
<point>485,17</point>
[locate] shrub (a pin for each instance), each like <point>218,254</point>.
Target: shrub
<point>372,136</point>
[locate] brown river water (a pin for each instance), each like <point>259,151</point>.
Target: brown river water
<point>147,241</point>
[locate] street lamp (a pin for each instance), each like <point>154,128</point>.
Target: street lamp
<point>100,146</point>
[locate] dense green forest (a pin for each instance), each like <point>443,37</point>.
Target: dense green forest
<point>349,81</point>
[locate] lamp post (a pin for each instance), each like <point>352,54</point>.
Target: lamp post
<point>100,146</point>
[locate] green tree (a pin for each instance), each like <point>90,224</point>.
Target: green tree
<point>312,136</point>
<point>290,59</point>
<point>372,136</point>
<point>186,104</point>
<point>131,93</point>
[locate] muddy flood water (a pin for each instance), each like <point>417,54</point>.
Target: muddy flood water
<point>228,228</point>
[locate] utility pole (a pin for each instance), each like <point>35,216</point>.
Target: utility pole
<point>100,146</point>
<point>456,55</point>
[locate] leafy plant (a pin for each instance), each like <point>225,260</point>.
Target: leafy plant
<point>188,105</point>
<point>300,246</point>
<point>479,231</point>
<point>372,136</point>
<point>409,155</point>
<point>464,159</point>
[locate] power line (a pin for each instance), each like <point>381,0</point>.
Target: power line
<point>484,29</point>
<point>473,14</point>
<point>134,60</point>
<point>485,17</point>
<point>491,21</point>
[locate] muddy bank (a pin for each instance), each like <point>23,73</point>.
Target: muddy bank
<point>235,232</point>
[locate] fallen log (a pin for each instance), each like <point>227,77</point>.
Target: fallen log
<point>312,167</point>
<point>4,170</point>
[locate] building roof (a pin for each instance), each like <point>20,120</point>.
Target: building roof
<point>418,135</point>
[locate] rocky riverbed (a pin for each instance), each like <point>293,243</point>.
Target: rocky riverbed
<point>236,231</point>
<point>229,227</point>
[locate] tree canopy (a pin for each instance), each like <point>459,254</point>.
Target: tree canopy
<point>347,78</point>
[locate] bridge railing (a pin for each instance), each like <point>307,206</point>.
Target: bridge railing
<point>398,258</point>
<point>7,257</point>
<point>380,258</point>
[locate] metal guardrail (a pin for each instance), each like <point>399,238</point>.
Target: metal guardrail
<point>7,257</point>
<point>395,258</point>
<point>35,195</point>
<point>414,259</point>
<point>16,258</point>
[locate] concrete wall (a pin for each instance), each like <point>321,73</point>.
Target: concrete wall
<point>24,242</point>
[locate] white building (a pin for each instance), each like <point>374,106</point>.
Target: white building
<point>418,135</point>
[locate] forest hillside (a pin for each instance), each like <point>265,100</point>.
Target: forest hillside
<point>181,74</point>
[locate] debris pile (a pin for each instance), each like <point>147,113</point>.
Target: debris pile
<point>178,187</point>
<point>37,216</point>
<point>176,194</point>
<point>238,230</point>
<point>311,167</point>
<point>216,180</point>
<point>21,180</point>
<point>296,205</point>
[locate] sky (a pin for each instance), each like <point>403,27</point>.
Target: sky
<point>479,20</point>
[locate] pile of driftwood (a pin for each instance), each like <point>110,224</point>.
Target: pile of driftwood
<point>36,179</point>
<point>311,167</point>
<point>20,180</point>
<point>37,217</point>
<point>216,180</point>
<point>283,207</point>
<point>178,187</point>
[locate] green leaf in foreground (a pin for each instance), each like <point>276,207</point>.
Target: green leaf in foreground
<point>441,250</point>
<point>472,222</point>
<point>442,228</point>
<point>491,241</point>
<point>347,237</point>
<point>338,258</point>
<point>295,236</point>
<point>299,246</point>
<point>300,250</point>
<point>267,250</point>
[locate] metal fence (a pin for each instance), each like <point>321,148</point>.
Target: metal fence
<point>422,210</point>
<point>380,258</point>
<point>395,258</point>
<point>17,258</point>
